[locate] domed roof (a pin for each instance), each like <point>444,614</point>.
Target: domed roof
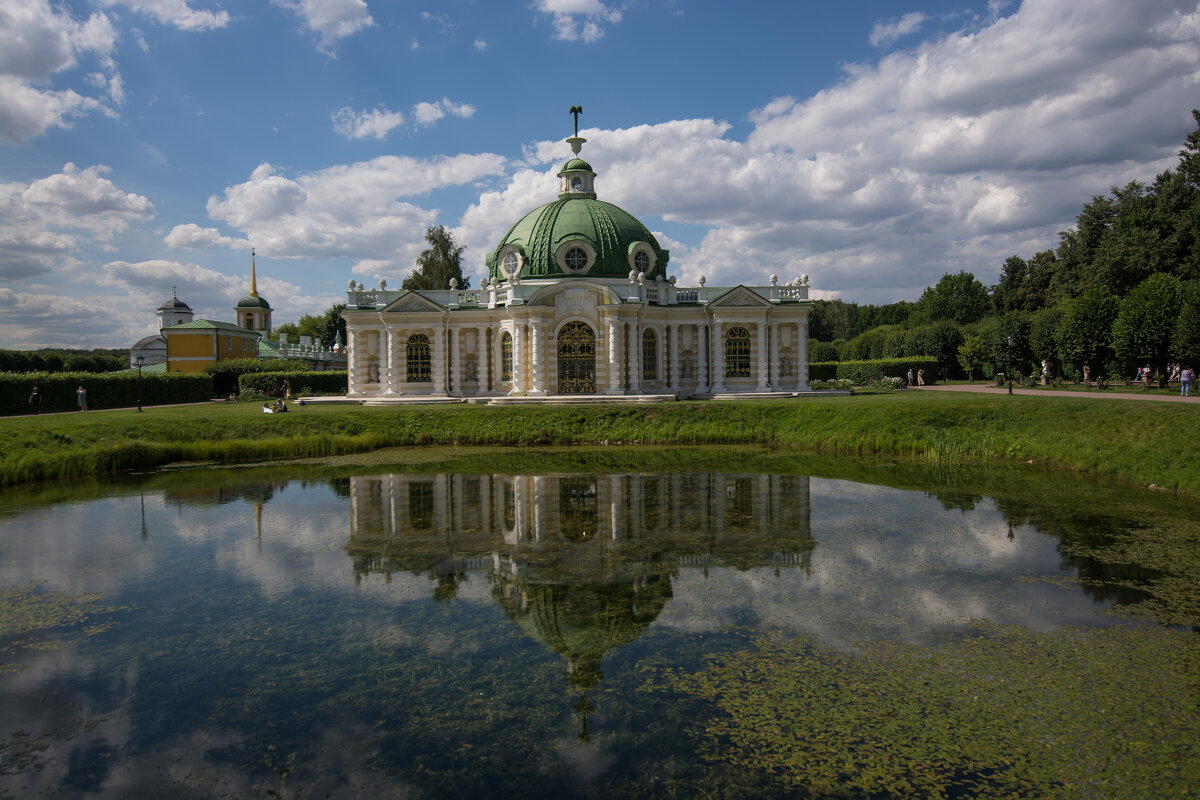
<point>253,301</point>
<point>174,304</point>
<point>577,236</point>
<point>541,241</point>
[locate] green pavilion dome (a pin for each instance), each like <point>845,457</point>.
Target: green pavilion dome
<point>253,301</point>
<point>577,236</point>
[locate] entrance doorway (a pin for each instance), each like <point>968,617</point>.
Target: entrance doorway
<point>576,359</point>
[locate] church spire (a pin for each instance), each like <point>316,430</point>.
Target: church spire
<point>253,277</point>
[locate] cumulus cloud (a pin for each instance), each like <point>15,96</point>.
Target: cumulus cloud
<point>33,217</point>
<point>950,156</point>
<point>578,20</point>
<point>348,211</point>
<point>177,14</point>
<point>330,19</point>
<point>192,237</point>
<point>362,124</point>
<point>480,45</point>
<point>38,42</point>
<point>886,33</point>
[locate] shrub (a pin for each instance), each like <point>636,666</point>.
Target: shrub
<point>105,390</point>
<point>840,384</point>
<point>258,384</point>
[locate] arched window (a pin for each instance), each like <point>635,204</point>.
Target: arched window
<point>506,356</point>
<point>417,356</point>
<point>737,353</point>
<point>649,354</point>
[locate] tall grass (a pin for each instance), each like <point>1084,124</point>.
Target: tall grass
<point>1146,443</point>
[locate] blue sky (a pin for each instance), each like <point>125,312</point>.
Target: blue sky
<point>149,144</point>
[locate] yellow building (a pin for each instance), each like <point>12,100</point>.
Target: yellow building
<point>192,346</point>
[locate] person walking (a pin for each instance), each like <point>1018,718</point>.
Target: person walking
<point>35,400</point>
<point>911,383</point>
<point>1087,375</point>
<point>920,378</point>
<point>81,398</point>
<point>1185,381</point>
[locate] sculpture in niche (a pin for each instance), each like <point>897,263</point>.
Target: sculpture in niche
<point>785,366</point>
<point>372,372</point>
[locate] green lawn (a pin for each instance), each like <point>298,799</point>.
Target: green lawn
<point>1143,443</point>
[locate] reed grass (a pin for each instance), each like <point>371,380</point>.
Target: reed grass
<point>1141,443</point>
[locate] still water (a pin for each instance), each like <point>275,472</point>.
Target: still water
<point>368,632</point>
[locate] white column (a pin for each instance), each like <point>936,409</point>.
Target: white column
<point>802,358</point>
<point>438,367</point>
<point>773,358</point>
<point>718,357</point>
<point>389,360</point>
<point>518,359</point>
<point>538,378</point>
<point>353,382</point>
<point>614,366</point>
<point>676,354</point>
<point>764,376</point>
<point>635,358</point>
<point>454,365</point>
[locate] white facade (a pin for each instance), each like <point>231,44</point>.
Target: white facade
<point>578,336</point>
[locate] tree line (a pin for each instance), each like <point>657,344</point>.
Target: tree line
<point>1120,291</point>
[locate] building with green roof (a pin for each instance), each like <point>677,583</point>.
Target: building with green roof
<point>578,303</point>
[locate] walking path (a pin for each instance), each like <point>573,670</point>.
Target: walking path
<point>987,388</point>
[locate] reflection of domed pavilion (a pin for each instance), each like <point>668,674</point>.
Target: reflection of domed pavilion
<point>582,564</point>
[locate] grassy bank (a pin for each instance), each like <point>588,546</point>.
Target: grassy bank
<point>1143,443</point>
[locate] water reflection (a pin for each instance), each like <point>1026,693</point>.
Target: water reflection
<point>583,564</point>
<point>439,634</point>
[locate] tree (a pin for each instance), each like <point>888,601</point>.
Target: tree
<point>959,298</point>
<point>1185,337</point>
<point>437,264</point>
<point>1008,294</point>
<point>1142,332</point>
<point>1008,340</point>
<point>1043,334</point>
<point>1085,331</point>
<point>973,354</point>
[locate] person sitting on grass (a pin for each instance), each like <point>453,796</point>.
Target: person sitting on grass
<point>266,409</point>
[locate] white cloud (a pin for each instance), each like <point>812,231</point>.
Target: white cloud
<point>361,124</point>
<point>38,42</point>
<point>578,20</point>
<point>480,45</point>
<point>192,237</point>
<point>348,211</point>
<point>884,34</point>
<point>177,14</point>
<point>950,156</point>
<point>331,19</point>
<point>33,218</point>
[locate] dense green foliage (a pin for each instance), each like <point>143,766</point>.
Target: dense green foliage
<point>226,374</point>
<point>302,382</point>
<point>323,329</point>
<point>862,373</point>
<point>59,360</point>
<point>106,390</point>
<point>1141,442</point>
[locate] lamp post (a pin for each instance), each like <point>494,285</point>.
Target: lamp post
<point>1009,367</point>
<point>140,359</point>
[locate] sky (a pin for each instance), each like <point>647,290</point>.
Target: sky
<point>147,145</point>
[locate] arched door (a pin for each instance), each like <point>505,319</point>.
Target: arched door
<point>576,359</point>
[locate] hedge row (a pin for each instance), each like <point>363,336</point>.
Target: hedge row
<point>104,390</point>
<point>860,373</point>
<point>302,382</point>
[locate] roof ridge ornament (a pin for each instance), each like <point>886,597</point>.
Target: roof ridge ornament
<point>576,141</point>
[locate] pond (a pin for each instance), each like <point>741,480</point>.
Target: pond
<point>740,624</point>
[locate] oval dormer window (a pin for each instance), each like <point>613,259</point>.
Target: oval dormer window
<point>576,259</point>
<point>510,263</point>
<point>641,261</point>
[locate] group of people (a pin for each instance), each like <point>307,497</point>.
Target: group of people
<point>278,407</point>
<point>919,379</point>
<point>35,399</point>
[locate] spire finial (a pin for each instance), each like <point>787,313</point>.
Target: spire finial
<point>575,141</point>
<point>253,276</point>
